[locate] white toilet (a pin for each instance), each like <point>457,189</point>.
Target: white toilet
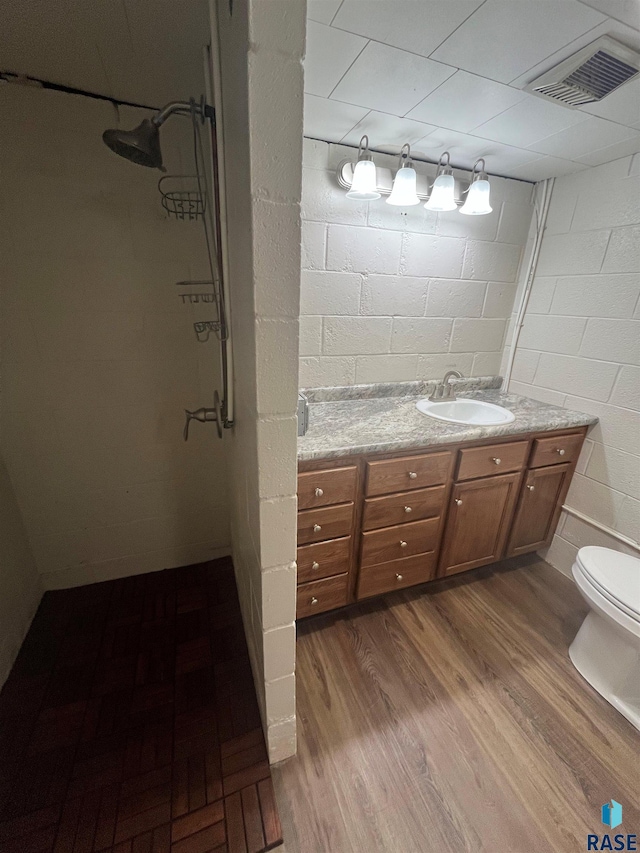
<point>606,650</point>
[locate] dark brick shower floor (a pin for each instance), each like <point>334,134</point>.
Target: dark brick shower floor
<point>129,723</point>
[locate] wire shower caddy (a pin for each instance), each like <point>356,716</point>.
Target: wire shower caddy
<point>181,196</point>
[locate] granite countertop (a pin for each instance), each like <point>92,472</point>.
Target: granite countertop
<point>343,422</point>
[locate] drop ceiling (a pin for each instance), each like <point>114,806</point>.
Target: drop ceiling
<point>146,51</point>
<point>449,74</point>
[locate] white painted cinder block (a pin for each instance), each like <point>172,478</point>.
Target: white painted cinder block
<point>622,251</point>
<point>326,292</point>
<point>482,334</point>
<point>416,335</point>
<point>499,299</point>
<point>452,298</point>
<point>552,334</point>
<point>614,340</point>
<point>491,261</point>
<point>386,368</point>
<point>434,366</point>
<point>427,255</point>
<point>391,296</point>
<point>626,392</point>
<point>356,335</point>
<point>327,371</point>
<point>584,377</point>
<point>310,335</point>
<point>572,254</point>
<point>612,295</point>
<point>314,236</point>
<point>364,250</point>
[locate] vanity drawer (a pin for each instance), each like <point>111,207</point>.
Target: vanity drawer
<point>406,506</point>
<point>329,522</point>
<point>492,459</point>
<point>318,596</point>
<point>556,449</point>
<point>407,472</point>
<point>396,574</point>
<point>321,488</point>
<point>324,559</point>
<point>403,540</point>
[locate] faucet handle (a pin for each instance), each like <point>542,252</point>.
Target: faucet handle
<point>204,415</point>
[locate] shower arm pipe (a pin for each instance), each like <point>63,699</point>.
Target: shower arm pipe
<point>213,89</point>
<point>181,108</point>
<point>541,223</point>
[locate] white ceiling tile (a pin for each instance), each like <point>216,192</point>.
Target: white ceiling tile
<point>322,10</point>
<point>416,27</point>
<point>528,121</point>
<point>465,101</point>
<point>388,133</point>
<point>329,54</point>
<point>390,80</point>
<point>622,105</point>
<point>545,167</point>
<point>627,11</point>
<point>612,152</point>
<point>504,38</point>
<point>463,148</point>
<point>589,135</point>
<point>329,120</point>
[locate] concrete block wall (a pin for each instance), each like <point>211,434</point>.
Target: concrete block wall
<point>393,294</point>
<point>261,46</point>
<point>100,358</point>
<point>580,346</point>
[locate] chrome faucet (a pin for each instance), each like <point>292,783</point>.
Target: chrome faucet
<point>444,390</point>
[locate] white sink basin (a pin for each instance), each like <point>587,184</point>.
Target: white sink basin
<point>474,412</point>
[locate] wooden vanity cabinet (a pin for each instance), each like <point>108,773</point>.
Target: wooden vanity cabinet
<point>480,513</point>
<point>373,523</point>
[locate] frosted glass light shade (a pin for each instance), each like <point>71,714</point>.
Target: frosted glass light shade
<point>477,203</point>
<point>442,194</point>
<point>404,193</point>
<point>364,184</point>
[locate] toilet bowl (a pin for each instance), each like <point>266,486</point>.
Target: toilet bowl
<point>606,649</point>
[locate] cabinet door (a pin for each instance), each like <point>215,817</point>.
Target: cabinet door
<point>478,522</point>
<point>543,493</point>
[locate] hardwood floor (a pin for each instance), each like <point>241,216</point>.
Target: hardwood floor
<point>449,718</point>
<point>129,723</point>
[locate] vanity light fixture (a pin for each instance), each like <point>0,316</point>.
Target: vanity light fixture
<point>442,196</point>
<point>404,192</point>
<point>478,202</point>
<point>364,184</point>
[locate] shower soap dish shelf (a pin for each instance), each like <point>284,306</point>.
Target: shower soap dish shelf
<point>181,196</point>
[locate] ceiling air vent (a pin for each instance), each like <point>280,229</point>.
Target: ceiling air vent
<point>589,75</point>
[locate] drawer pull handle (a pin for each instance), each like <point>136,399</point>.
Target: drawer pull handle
<point>560,451</point>
<point>531,488</point>
<point>458,502</point>
<point>314,600</point>
<point>319,493</point>
<point>403,544</point>
<point>315,566</point>
<point>407,509</point>
<point>496,459</point>
<point>398,577</point>
<point>413,475</point>
<point>317,528</point>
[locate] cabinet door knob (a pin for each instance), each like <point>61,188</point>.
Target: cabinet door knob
<point>403,544</point>
<point>458,502</point>
<point>315,566</point>
<point>319,493</point>
<point>317,528</point>
<point>398,577</point>
<point>314,600</point>
<point>407,509</point>
<point>412,475</point>
<point>496,459</point>
<point>560,451</point>
<point>530,487</point>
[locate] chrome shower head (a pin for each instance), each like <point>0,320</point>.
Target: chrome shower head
<point>140,145</point>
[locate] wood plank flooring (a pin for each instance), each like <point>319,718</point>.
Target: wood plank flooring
<point>449,718</point>
<point>129,723</point>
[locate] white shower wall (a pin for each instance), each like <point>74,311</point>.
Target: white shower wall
<point>99,354</point>
<point>393,294</point>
